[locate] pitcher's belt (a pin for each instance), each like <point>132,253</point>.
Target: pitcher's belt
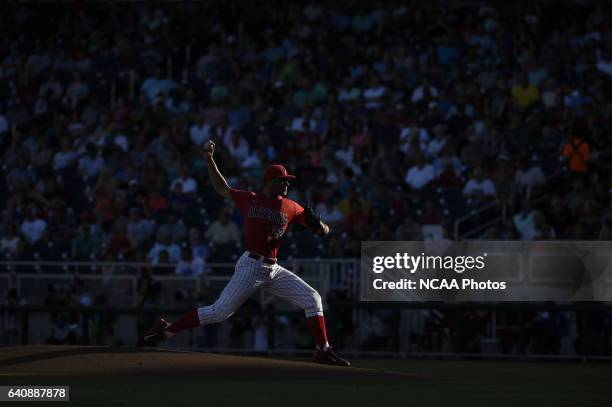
<point>266,260</point>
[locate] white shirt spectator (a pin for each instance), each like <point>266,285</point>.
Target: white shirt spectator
<point>9,244</point>
<point>440,162</point>
<point>122,142</point>
<point>199,134</point>
<point>406,135</point>
<point>252,162</point>
<point>486,187</point>
<point>345,155</point>
<point>525,225</point>
<point>63,159</point>
<point>91,167</point>
<point>174,252</point>
<point>418,177</point>
<point>407,132</point>
<point>153,86</point>
<point>372,96</point>
<point>239,149</point>
<point>188,185</point>
<point>419,93</point>
<point>75,127</point>
<point>529,178</point>
<point>223,132</point>
<point>435,146</point>
<point>348,95</point>
<point>300,124</point>
<point>33,229</point>
<point>605,67</point>
<point>140,230</point>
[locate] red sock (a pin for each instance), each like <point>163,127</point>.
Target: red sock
<point>319,333</point>
<point>187,321</point>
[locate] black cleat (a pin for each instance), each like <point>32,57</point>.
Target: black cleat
<point>156,334</point>
<point>329,357</point>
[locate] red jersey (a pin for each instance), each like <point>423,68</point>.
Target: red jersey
<point>265,220</point>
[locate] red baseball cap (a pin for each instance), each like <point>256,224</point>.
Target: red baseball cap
<point>277,171</point>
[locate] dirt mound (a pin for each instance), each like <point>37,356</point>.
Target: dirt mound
<point>107,361</point>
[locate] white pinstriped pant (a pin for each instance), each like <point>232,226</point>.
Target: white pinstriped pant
<point>251,274</point>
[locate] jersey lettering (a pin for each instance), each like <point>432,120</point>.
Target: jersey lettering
<point>278,219</point>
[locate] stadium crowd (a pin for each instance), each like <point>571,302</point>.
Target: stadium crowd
<point>395,116</point>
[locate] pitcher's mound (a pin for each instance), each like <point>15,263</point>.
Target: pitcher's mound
<point>108,361</point>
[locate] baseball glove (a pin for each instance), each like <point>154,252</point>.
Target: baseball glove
<point>313,220</point>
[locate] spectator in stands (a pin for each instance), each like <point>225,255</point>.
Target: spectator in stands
<point>164,244</point>
<point>188,184</point>
<point>577,153</point>
<point>524,94</point>
<point>503,176</point>
<point>77,91</point>
<point>346,114</point>
<point>32,226</point>
<point>189,265</point>
<point>20,174</point>
<point>120,245</point>
<point>156,85</point>
<point>424,93</point>
<point>528,177</point>
<point>109,209</point>
<point>447,177</point>
<point>174,227</point>
<point>153,175</point>
<point>374,93</point>
<point>87,242</point>
<point>91,164</point>
<point>52,87</point>
<point>11,243</point>
<point>65,157</point>
<point>524,221</point>
<point>139,229</point>
<point>437,144</point>
<point>157,204</point>
<point>420,174</point>
<point>237,146</point>
<point>478,188</point>
<point>330,213</point>
<point>223,230</point>
<point>198,248</point>
<point>199,132</point>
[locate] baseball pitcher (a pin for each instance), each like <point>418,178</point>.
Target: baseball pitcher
<point>267,214</point>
